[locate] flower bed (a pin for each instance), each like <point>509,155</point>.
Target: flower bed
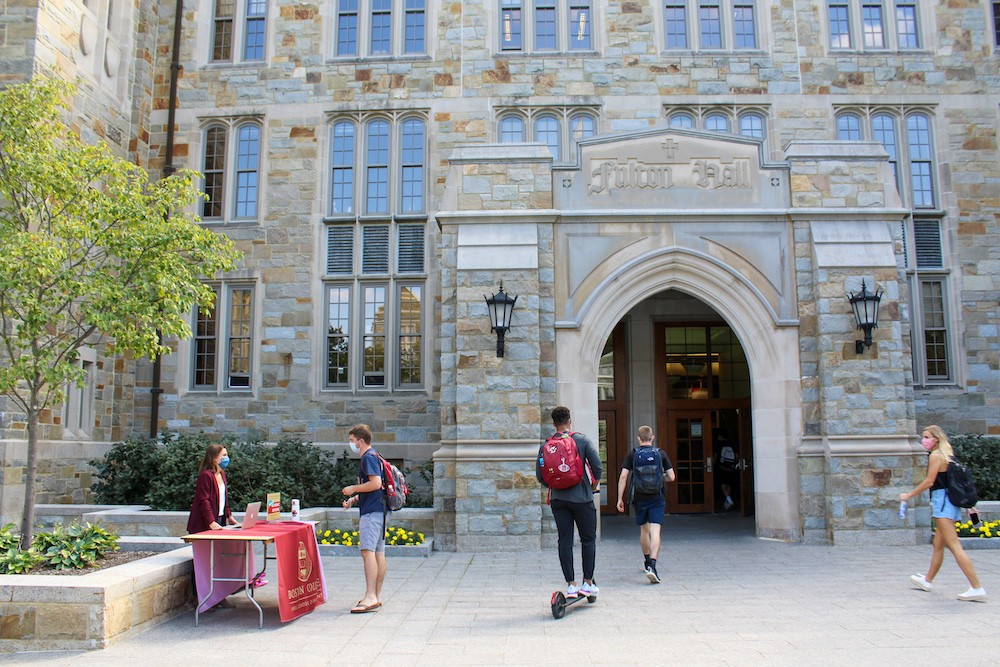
<point>394,536</point>
<point>983,530</point>
<point>398,542</point>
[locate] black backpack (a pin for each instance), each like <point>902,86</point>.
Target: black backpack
<point>961,486</point>
<point>647,471</point>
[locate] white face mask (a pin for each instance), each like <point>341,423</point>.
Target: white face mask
<point>354,447</point>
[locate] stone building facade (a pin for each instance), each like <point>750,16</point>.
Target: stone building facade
<point>681,194</point>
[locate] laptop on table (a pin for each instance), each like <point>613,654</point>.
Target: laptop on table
<point>250,517</point>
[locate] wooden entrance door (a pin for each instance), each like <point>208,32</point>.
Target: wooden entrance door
<point>745,464</point>
<point>612,408</point>
<point>689,445</point>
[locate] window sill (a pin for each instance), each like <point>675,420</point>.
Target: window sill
<point>880,52</point>
<point>243,64</point>
<point>373,392</point>
<point>221,392</point>
<point>711,53</point>
<point>380,58</point>
<point>547,54</point>
<point>944,385</point>
<point>230,224</point>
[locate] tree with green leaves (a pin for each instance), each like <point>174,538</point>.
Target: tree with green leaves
<point>91,254</point>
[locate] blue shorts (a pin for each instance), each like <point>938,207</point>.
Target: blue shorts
<point>648,511</point>
<point>941,507</point>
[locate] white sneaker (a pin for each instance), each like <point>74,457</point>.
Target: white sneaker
<point>572,591</point>
<point>921,583</point>
<point>973,595</point>
<point>589,590</point>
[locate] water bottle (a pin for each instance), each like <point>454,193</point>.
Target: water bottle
<point>902,509</point>
<point>295,509</point>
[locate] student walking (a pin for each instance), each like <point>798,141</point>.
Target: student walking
<point>945,515</point>
<point>569,465</point>
<point>367,495</point>
<point>643,473</point>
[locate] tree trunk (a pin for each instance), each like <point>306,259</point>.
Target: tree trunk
<point>28,517</point>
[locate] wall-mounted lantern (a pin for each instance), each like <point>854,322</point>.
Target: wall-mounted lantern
<point>865,305</point>
<point>501,308</point>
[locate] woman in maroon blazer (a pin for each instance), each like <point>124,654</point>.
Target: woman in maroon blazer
<point>210,509</point>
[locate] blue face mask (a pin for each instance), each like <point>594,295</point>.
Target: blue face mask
<point>354,447</point>
<point>224,463</point>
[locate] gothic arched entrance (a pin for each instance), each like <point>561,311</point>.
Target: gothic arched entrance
<point>760,406</point>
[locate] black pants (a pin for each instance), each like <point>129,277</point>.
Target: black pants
<point>584,515</point>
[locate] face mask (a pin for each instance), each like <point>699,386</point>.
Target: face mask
<point>928,443</point>
<point>354,447</point>
<point>224,463</point>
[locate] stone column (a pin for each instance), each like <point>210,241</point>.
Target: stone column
<point>496,224</point>
<point>858,407</point>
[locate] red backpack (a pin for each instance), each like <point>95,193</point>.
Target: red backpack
<point>562,467</point>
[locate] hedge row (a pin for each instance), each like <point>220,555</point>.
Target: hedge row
<point>981,455</point>
<point>162,473</point>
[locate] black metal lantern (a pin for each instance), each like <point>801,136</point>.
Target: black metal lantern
<point>865,305</point>
<point>501,308</point>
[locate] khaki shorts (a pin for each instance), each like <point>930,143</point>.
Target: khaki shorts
<point>371,531</point>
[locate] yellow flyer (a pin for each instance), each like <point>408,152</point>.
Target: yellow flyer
<point>274,507</point>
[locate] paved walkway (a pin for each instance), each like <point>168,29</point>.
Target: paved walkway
<point>727,599</point>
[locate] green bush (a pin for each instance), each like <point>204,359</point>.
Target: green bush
<point>15,561</point>
<point>75,547</point>
<point>163,474</point>
<point>124,474</point>
<point>981,455</point>
<point>62,548</point>
<point>8,540</point>
<point>171,484</point>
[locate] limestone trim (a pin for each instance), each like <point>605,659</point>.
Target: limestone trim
<point>691,272</point>
<point>832,150</point>
<point>488,450</point>
<point>859,445</point>
<point>500,153</point>
<point>535,216</point>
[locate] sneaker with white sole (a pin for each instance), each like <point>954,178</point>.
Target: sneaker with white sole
<point>651,574</point>
<point>589,590</point>
<point>572,591</point>
<point>921,583</point>
<point>973,595</point>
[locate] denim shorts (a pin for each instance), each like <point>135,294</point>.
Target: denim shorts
<point>371,531</point>
<point>649,511</point>
<point>941,507</point>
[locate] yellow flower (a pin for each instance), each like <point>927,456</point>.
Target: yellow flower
<point>337,531</point>
<point>326,534</point>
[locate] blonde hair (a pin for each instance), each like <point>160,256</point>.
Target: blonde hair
<point>645,434</point>
<point>943,445</point>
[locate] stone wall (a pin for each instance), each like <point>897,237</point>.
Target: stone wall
<point>850,492</point>
<point>91,611</point>
<point>64,474</point>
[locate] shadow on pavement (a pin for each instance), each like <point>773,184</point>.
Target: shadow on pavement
<point>683,527</point>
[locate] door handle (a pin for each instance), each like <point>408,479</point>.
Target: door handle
<point>708,464</point>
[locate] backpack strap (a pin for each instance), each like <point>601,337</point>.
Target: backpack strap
<point>385,496</point>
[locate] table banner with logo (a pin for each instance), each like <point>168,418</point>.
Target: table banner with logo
<point>301,582</point>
